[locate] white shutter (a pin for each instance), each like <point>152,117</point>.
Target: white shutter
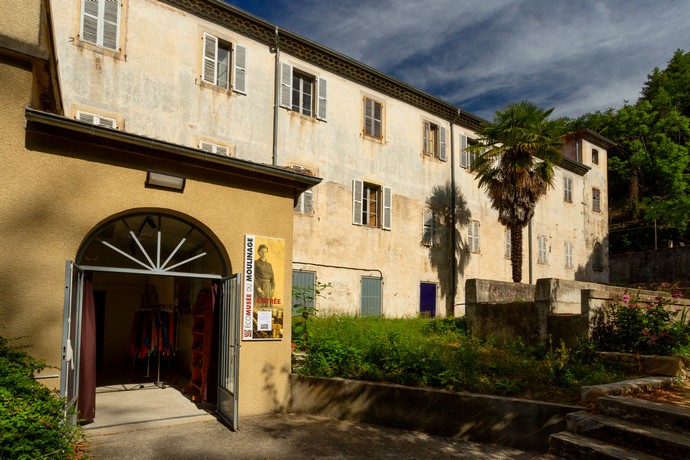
<point>89,21</point>
<point>322,106</point>
<point>442,144</point>
<point>308,202</point>
<point>111,20</point>
<point>86,117</point>
<point>464,160</point>
<point>387,208</point>
<point>222,150</point>
<point>206,146</point>
<point>107,122</point>
<point>208,69</point>
<point>368,116</point>
<point>357,198</point>
<point>239,77</point>
<point>286,86</point>
<point>378,119</point>
<point>427,136</point>
<point>427,227</point>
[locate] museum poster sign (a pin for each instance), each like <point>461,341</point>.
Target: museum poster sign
<point>263,295</point>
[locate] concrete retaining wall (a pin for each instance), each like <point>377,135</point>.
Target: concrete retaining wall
<point>555,308</point>
<point>480,418</point>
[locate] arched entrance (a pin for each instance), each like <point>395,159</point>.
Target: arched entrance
<point>150,291</point>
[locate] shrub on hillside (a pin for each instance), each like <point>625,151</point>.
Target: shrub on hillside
<point>32,422</point>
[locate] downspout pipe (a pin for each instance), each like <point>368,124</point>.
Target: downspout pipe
<point>276,102</point>
<point>453,217</point>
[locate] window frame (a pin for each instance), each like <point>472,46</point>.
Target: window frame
<point>319,102</point>
<point>305,203</point>
<point>569,254</point>
<point>567,189</point>
<point>430,233</point>
<point>595,156</point>
<point>473,237</point>
<point>433,140</point>
<point>466,157</point>
<point>598,257</point>
<point>371,121</point>
<point>383,205</point>
<point>596,199</point>
<point>235,67</point>
<point>101,23</point>
<point>542,249</point>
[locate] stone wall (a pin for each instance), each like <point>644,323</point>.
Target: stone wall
<point>553,308</point>
<point>662,265</point>
<point>510,422</point>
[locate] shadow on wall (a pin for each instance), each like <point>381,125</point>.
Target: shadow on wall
<point>440,233</point>
<point>594,270</point>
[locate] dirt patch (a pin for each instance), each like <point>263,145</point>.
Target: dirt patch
<point>678,395</point>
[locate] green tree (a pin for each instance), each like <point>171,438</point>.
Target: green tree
<point>649,168</point>
<point>515,163</point>
<point>441,233</point>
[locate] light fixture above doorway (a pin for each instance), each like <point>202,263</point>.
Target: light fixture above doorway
<point>165,181</point>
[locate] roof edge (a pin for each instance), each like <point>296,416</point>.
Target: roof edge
<point>50,119</point>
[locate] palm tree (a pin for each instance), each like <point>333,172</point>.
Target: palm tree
<point>516,155</point>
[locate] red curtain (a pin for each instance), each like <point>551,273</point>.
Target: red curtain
<point>87,357</point>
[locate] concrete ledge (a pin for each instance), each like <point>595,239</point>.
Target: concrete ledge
<point>591,393</point>
<point>509,422</point>
<point>669,366</point>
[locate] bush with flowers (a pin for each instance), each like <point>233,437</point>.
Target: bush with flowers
<point>658,327</point>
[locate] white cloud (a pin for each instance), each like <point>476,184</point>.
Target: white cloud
<point>575,56</point>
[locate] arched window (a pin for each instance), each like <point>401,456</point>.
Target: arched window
<point>598,257</point>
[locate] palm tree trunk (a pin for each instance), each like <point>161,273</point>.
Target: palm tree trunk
<point>516,252</point>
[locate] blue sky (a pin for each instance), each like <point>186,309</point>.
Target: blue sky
<point>576,56</point>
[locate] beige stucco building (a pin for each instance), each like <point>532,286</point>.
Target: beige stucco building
<point>247,118</point>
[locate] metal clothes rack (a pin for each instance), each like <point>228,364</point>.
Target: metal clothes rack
<point>174,346</point>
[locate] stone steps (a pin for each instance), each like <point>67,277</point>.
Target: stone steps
<point>573,446</point>
<point>625,428</point>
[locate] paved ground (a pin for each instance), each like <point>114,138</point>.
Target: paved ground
<point>141,421</point>
<point>281,437</point>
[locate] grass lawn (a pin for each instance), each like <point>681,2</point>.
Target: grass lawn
<point>442,353</point>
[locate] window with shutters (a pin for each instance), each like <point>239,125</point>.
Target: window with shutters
<point>303,93</point>
<point>100,23</point>
<point>224,64</point>
<point>98,120</point>
<point>430,234</point>
<point>467,158</point>
<point>305,203</point>
<point>473,237</point>
<point>596,199</point>
<point>568,189</point>
<point>568,254</point>
<point>542,249</point>
<point>372,205</point>
<point>434,140</point>
<point>303,290</point>
<point>373,118</point>
<point>210,147</point>
<point>595,156</point>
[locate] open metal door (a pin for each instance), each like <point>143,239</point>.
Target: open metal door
<point>229,352</point>
<point>71,338</point>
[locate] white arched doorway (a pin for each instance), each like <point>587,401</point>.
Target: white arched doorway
<point>163,289</point>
